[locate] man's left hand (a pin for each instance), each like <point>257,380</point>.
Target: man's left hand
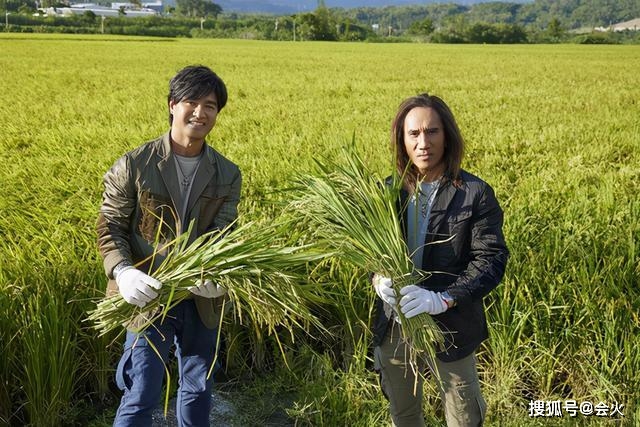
<point>416,300</point>
<point>207,289</point>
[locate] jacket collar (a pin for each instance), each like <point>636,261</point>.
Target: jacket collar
<point>167,168</point>
<point>444,196</point>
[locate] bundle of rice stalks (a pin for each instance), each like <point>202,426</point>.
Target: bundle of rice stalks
<point>266,278</point>
<point>355,215</point>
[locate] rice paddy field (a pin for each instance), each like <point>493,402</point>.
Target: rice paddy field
<point>554,129</point>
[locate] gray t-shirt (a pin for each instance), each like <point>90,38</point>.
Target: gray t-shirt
<point>186,168</point>
<point>418,219</point>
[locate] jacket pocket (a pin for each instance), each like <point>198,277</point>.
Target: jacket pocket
<point>211,201</point>
<point>460,216</point>
<point>454,238</point>
<point>459,225</point>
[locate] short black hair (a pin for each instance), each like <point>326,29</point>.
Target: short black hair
<point>196,81</point>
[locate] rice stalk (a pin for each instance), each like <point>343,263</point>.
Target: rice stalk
<point>266,278</point>
<point>356,216</point>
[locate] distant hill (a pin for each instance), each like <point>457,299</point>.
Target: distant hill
<point>297,6</point>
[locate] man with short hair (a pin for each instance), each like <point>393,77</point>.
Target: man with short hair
<point>151,195</point>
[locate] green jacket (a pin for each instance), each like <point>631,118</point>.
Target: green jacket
<point>140,207</point>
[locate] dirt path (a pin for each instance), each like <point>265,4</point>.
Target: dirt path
<point>222,414</point>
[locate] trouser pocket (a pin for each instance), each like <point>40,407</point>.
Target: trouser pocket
<point>122,380</point>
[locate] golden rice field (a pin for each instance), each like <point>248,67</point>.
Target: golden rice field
<point>555,129</point>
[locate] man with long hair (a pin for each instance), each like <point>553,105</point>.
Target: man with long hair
<point>452,224</point>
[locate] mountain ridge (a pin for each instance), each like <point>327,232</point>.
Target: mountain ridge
<point>294,6</point>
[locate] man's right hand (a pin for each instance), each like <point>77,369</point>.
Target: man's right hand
<point>384,289</point>
<point>136,287</point>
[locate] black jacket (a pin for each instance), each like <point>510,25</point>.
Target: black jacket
<point>469,264</point>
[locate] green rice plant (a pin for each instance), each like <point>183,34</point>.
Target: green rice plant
<point>353,214</point>
<point>504,363</point>
<point>267,280</point>
<point>332,397</point>
<point>49,348</point>
<point>6,338</point>
<point>97,354</point>
<point>348,314</point>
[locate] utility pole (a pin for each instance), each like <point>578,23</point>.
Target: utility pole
<point>294,30</point>
<point>102,24</point>
<point>6,20</point>
<point>201,24</point>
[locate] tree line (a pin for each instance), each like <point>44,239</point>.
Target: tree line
<point>542,21</point>
<point>573,14</point>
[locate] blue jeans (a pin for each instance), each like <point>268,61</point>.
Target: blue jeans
<point>141,370</point>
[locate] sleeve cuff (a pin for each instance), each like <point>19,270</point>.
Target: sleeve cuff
<point>120,267</point>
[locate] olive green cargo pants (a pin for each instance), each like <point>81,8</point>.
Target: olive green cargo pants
<point>459,390</point>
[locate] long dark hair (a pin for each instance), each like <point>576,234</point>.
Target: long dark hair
<point>454,143</point>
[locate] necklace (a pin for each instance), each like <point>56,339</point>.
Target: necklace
<point>424,206</point>
<point>423,201</point>
<point>425,196</point>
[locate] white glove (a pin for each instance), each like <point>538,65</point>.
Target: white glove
<point>207,289</point>
<point>136,287</point>
<point>417,300</point>
<point>384,289</point>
